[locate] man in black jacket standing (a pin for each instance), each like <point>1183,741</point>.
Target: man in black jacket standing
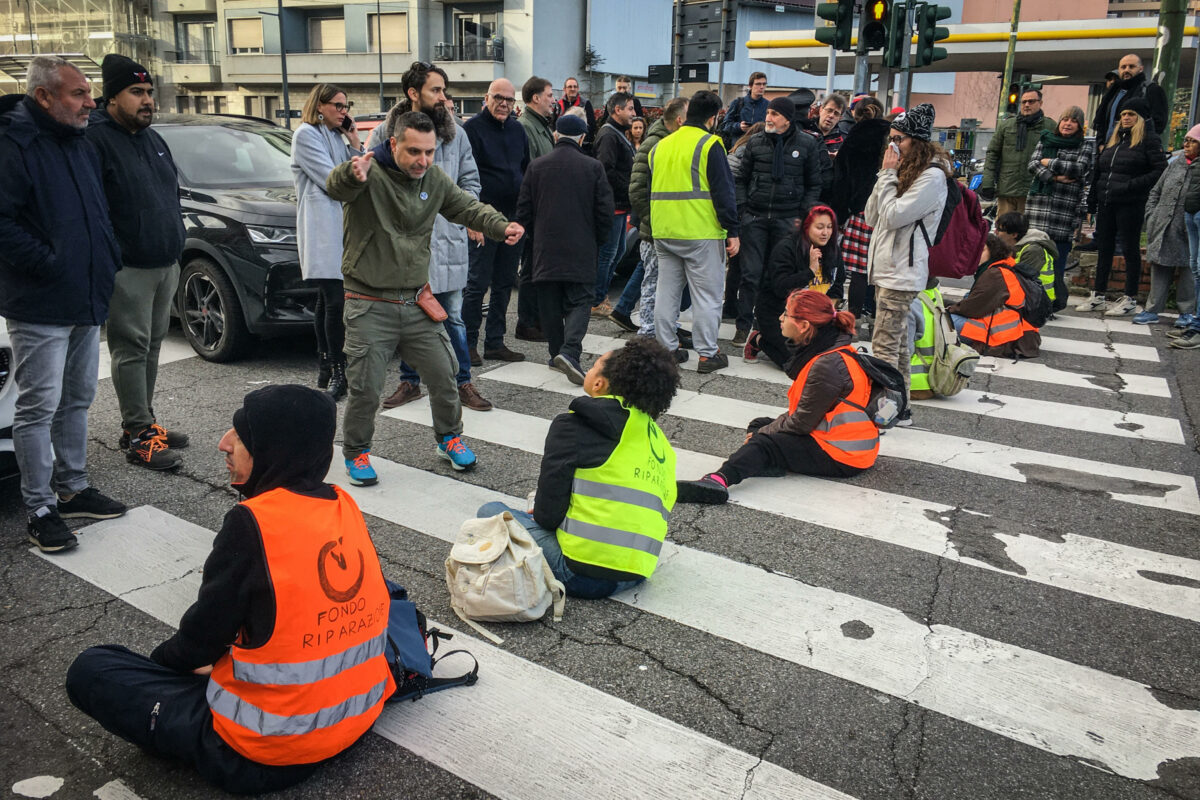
<point>777,180</point>
<point>58,256</point>
<point>566,206</point>
<point>1131,82</point>
<point>615,152</point>
<point>143,198</point>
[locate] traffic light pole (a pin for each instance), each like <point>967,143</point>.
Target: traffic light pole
<point>721,63</point>
<point>910,12</point>
<point>862,69</point>
<point>676,41</point>
<point>1002,108</point>
<point>1166,55</point>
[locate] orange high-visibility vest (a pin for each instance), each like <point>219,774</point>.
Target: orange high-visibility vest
<point>1006,323</point>
<point>320,681</point>
<point>847,434</point>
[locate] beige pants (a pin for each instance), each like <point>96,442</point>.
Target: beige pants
<point>890,338</point>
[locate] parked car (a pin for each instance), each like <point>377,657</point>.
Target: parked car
<point>240,274</point>
<point>8,402</point>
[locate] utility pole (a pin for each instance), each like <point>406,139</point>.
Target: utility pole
<point>721,62</point>
<point>1195,86</point>
<point>677,41</point>
<point>1002,108</point>
<point>379,46</point>
<point>287,103</point>
<point>1167,47</point>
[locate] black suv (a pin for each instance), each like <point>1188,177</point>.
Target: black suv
<point>240,271</point>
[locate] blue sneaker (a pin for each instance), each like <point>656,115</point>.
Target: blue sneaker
<point>1185,320</point>
<point>360,470</point>
<point>452,449</point>
<point>1145,318</point>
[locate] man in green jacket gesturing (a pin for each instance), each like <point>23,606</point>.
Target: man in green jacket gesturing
<point>1006,175</point>
<point>388,215</point>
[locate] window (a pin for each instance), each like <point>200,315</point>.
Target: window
<point>196,42</point>
<point>201,105</point>
<point>326,35</point>
<point>251,106</point>
<point>220,105</point>
<point>245,35</point>
<point>183,104</point>
<point>392,29</point>
<point>270,106</point>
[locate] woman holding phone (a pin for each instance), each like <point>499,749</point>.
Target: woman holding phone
<point>318,147</point>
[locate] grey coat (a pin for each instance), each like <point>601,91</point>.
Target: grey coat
<point>1166,233</point>
<point>448,248</point>
<point>316,150</point>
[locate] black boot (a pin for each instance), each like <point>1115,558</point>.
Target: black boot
<point>337,379</point>
<point>324,371</point>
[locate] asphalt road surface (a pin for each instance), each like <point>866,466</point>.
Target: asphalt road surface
<point>1006,606</point>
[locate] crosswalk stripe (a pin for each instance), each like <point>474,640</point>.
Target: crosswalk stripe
<point>1076,347</point>
<point>152,559</point>
<point>1021,694</point>
<point>174,348</point>
<point>1093,567</point>
<point>1161,489</point>
<point>1094,325</point>
<point>1042,412</point>
<point>1149,385</point>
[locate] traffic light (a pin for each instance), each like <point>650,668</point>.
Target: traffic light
<point>928,32</point>
<point>1014,97</point>
<point>899,37</point>
<point>841,14</point>
<point>873,33</point>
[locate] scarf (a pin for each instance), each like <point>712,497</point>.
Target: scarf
<point>1024,123</point>
<point>777,142</point>
<point>825,338</point>
<point>1051,144</point>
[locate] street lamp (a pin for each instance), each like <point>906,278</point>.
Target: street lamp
<point>287,106</point>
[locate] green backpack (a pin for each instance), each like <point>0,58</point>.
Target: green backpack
<point>953,362</point>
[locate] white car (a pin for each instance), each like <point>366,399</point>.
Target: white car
<point>8,398</point>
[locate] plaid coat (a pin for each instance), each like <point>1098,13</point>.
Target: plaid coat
<point>1060,212</point>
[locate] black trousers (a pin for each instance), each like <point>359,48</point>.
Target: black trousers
<point>564,309</point>
<point>527,304</point>
<point>771,340</point>
<point>121,690</point>
<point>1125,222</point>
<point>772,455</point>
<point>862,294</point>
<point>327,318</point>
<point>759,235</point>
<point>492,270</point>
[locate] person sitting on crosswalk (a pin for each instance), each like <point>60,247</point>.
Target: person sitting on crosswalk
<point>990,318</point>
<point>278,665</point>
<point>828,429</point>
<point>607,483</point>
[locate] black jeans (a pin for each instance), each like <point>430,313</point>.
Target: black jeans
<point>772,455</point>
<point>1062,250</point>
<point>771,340</point>
<point>121,690</point>
<point>564,309</point>
<point>527,304</point>
<point>327,318</point>
<point>494,267</point>
<point>759,235</point>
<point>862,294</point>
<point>1125,222</point>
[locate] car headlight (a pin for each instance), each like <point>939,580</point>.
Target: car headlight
<point>263,234</point>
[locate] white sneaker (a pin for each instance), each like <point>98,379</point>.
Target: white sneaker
<point>1095,302</point>
<point>1124,307</point>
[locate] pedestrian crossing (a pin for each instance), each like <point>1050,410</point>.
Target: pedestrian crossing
<point>1023,696</point>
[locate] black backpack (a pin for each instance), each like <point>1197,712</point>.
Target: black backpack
<point>1037,308</point>
<point>886,377</point>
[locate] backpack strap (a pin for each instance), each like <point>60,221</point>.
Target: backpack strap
<point>557,590</point>
<point>482,631</point>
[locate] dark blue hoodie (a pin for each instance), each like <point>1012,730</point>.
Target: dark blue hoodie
<point>58,254</point>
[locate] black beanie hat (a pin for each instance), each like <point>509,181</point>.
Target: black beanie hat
<point>916,122</point>
<point>120,72</point>
<point>782,106</point>
<point>1136,105</point>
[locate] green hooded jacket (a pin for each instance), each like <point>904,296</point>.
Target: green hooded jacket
<point>1005,168</point>
<point>639,181</point>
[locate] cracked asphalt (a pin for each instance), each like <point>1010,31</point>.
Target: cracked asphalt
<point>849,737</point>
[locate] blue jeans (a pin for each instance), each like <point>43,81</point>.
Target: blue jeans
<point>55,369</point>
<point>452,303</point>
<point>960,322</point>
<point>610,253</point>
<point>1192,223</point>
<point>1063,249</point>
<point>576,585</point>
<point>632,290</point>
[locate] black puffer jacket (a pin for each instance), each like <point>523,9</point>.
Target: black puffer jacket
<point>1191,191</point>
<point>615,152</point>
<point>788,192</point>
<point>856,166</point>
<point>1124,174</point>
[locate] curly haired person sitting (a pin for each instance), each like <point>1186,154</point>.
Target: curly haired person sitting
<point>607,484</point>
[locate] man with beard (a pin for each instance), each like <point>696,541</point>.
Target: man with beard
<point>143,199</point>
<point>424,88</point>
<point>1130,83</point>
<point>1006,175</point>
<point>570,99</point>
<point>777,180</point>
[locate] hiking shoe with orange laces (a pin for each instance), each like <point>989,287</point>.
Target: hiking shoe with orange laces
<point>452,449</point>
<point>360,470</point>
<point>149,449</point>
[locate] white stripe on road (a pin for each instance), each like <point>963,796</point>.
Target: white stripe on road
<point>1075,347</point>
<point>1036,371</point>
<point>1068,416</point>
<point>1165,490</point>
<point>1109,571</point>
<point>1021,694</point>
<point>174,348</point>
<point>623,750</point>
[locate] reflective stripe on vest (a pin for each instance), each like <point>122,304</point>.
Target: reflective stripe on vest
<point>617,517</point>
<point>319,682</point>
<point>680,202</point>
<point>1006,323</point>
<point>1046,273</point>
<point>846,433</point>
<point>923,348</point>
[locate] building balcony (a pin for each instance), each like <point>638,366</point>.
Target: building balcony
<point>479,50</point>
<point>348,68</point>
<point>191,6</point>
<point>183,69</point>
